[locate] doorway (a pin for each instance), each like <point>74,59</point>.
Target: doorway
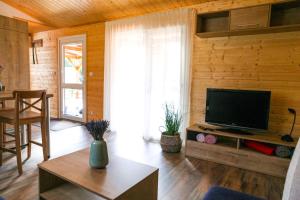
<point>72,62</point>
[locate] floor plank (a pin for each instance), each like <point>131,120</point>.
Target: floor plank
<point>179,177</point>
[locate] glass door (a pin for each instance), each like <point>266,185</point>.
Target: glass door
<point>72,83</point>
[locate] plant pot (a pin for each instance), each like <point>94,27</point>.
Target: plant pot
<point>170,144</point>
<point>98,154</point>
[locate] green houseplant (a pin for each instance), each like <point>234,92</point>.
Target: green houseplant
<point>170,140</point>
<point>98,150</point>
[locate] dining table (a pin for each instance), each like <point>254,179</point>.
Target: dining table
<point>6,96</point>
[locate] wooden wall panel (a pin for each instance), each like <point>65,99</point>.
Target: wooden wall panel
<point>45,74</point>
<point>256,62</point>
<point>259,62</point>
<point>14,53</point>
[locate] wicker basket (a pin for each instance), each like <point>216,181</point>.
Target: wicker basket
<point>170,144</point>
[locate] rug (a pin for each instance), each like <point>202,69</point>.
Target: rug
<point>58,125</point>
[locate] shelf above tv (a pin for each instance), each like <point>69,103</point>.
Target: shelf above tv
<point>269,18</point>
<point>213,22</point>
<point>285,14</point>
<point>275,29</point>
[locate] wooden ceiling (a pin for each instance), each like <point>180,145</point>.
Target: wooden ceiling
<point>66,13</point>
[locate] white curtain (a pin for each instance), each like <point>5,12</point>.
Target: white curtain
<point>146,66</point>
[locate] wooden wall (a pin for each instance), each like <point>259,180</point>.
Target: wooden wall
<point>258,62</point>
<point>14,53</point>
<point>45,74</point>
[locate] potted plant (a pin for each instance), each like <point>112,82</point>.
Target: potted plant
<point>98,150</point>
<point>170,140</point>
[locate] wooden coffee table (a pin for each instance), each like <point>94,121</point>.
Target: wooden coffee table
<point>70,177</point>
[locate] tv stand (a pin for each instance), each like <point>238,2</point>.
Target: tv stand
<point>229,149</point>
<point>235,131</point>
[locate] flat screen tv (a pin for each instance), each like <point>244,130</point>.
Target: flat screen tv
<point>238,109</point>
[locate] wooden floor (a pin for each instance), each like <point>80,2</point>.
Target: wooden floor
<point>179,177</point>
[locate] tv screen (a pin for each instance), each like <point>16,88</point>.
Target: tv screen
<point>240,109</point>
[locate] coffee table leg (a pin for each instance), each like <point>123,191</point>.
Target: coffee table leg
<point>146,189</point>
<point>48,181</point>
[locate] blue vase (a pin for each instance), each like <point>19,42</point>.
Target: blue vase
<point>98,154</point>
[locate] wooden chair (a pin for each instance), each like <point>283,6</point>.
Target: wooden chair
<point>25,116</point>
<point>3,107</point>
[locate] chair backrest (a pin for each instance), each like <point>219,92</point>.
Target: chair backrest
<point>292,182</point>
<point>30,99</point>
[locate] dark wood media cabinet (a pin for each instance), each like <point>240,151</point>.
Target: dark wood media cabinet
<point>229,151</point>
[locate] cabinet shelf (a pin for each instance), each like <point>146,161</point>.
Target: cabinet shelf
<point>213,22</point>
<point>230,150</point>
<point>69,191</point>
<point>269,138</point>
<point>285,14</point>
<point>269,18</point>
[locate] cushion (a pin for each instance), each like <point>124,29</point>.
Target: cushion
<point>292,182</point>
<point>220,193</point>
